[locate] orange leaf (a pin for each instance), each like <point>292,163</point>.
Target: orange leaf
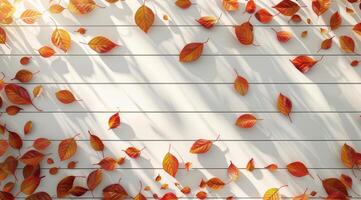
<point>41,143</point>
<point>246,121</point>
<point>56,8</point>
<point>170,164</point>
<point>335,20</point>
<point>250,7</point>
<point>191,51</point>
<point>326,44</point>
<point>67,148</point>
<point>207,21</point>
<point>32,157</point>
<point>244,33</point>
<point>304,63</point>
<point>201,195</point>
<point>284,105</point>
<point>133,152</point>
<point>29,185</point>
<point>65,96</point>
<point>3,37</point>
<point>114,192</point>
<point>23,76</point>
<point>64,186</point>
<point>72,165</point>
<point>108,163</point>
<point>334,186</point>
<point>347,44</point>
<point>28,127</point>
<point>78,191</point>
<point>348,156</point>
<point>184,4</point>
<point>272,167</point>
<point>346,180</point>
<point>169,196</point>
<point>231,5</point>
<point>38,90</point>
<point>250,165</point>
<point>320,6</point>
<point>61,39</point>
<point>114,121</point>
<point>80,7</point>
<point>39,196</point>
<point>4,145</point>
<point>18,95</point>
<point>215,184</point>
<point>29,16</point>
<point>95,142</point>
<point>357,28</point>
<point>144,18</point>
<point>94,179</point>
<point>263,16</point>
<point>233,172</point>
<point>298,169</point>
<point>15,140</point>
<point>13,110</point>
<point>201,146</point>
<point>241,85</point>
<point>283,36</point>
<point>46,51</point>
<point>101,44</point>
<point>287,7</point>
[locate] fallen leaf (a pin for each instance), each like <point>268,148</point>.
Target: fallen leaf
<point>56,8</point>
<point>326,44</point>
<point>29,16</point>
<point>283,36</point>
<point>263,16</point>
<point>357,28</point>
<point>335,20</point>
<point>30,184</point>
<point>250,165</point>
<point>108,163</point>
<point>273,194</point>
<point>78,191</point>
<point>13,110</point>
<point>96,143</point>
<point>201,146</point>
<point>320,6</point>
<point>64,186</point>
<point>272,167</point>
<point>207,21</point>
<point>347,44</point>
<point>32,157</point>
<point>102,44</point>
<point>133,152</point>
<point>287,7</point>
<point>114,191</point>
<point>41,143</point>
<point>284,105</point>
<point>114,121</point>
<point>65,96</point>
<point>18,95</point>
<point>244,33</point>
<point>15,140</point>
<point>233,172</point>
<point>230,5</point>
<point>250,7</point>
<point>304,63</point>
<point>67,148</point>
<point>81,7</point>
<point>184,4</point>
<point>170,164</point>
<point>298,169</point>
<point>37,91</point>
<point>94,179</point>
<point>39,196</point>
<point>144,18</point>
<point>25,60</point>
<point>215,184</point>
<point>241,85</point>
<point>28,127</point>
<point>201,195</point>
<point>191,51</point>
<point>61,39</point>
<point>46,51</point>
<point>246,121</point>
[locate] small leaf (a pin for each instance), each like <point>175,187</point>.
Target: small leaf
<point>13,110</point>
<point>184,4</point>
<point>144,18</point>
<point>170,164</point>
<point>320,6</point>
<point>284,105</point>
<point>41,143</point>
<point>287,7</point>
<point>114,121</point>
<point>65,96</point>
<point>23,76</point>
<point>357,28</point>
<point>29,16</point>
<point>326,44</point>
<point>56,8</point>
<point>230,5</point>
<point>3,37</point>
<point>215,184</point>
<point>95,142</point>
<point>61,39</point>
<point>244,33</point>
<point>335,20</point>
<point>283,36</point>
<point>108,163</point>
<point>207,21</point>
<point>28,127</point>
<point>250,165</point>
<point>102,44</point>
<point>250,7</point>
<point>191,51</point>
<point>347,44</point>
<point>15,140</point>
<point>133,152</point>
<point>46,51</point>
<point>67,148</point>
<point>32,158</point>
<point>246,121</point>
<point>94,179</point>
<point>37,91</point>
<point>298,169</point>
<point>25,60</point>
<point>4,145</point>
<point>233,172</point>
<point>201,195</point>
<point>241,85</point>
<point>64,186</point>
<point>304,63</point>
<point>263,16</point>
<point>81,7</point>
<point>272,167</point>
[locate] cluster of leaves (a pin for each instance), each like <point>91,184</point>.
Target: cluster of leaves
<point>33,158</point>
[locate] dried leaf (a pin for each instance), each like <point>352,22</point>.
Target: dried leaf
<point>18,95</point>
<point>67,148</point>
<point>272,194</point>
<point>334,186</point>
<point>30,184</point>
<point>108,163</point>
<point>241,85</point>
<point>3,36</point>
<point>287,7</point>
<point>246,121</point>
<point>37,91</point>
<point>30,170</point>
<point>233,172</point>
<point>357,28</point>
<point>114,121</point>
<point>320,6</point>
<point>56,8</point>
<point>53,170</point>
<point>355,63</point>
<point>81,7</point>
<point>94,179</point>
<point>41,143</point>
<point>32,157</point>
<point>102,44</point>
<point>298,169</point>
<point>184,4</point>
<point>346,180</point>
<point>25,60</point>
<point>28,127</point>
<point>335,20</point>
<point>201,195</point>
<point>96,143</point>
<point>4,145</point>
<point>65,96</point>
<point>46,51</point>
<point>207,21</point>
<point>347,44</point>
<point>13,110</point>
<point>39,196</point>
<point>263,16</point>
<point>29,16</point>
<point>15,140</point>
<point>348,156</point>
<point>144,18</point>
<point>64,186</point>
<point>215,184</point>
<point>201,146</point>
<point>230,5</point>
<point>24,76</point>
<point>8,187</point>
<point>304,63</point>
<point>244,33</point>
<point>283,36</point>
<point>272,167</point>
<point>284,105</point>
<point>133,152</point>
<point>250,165</point>
<point>170,164</point>
<point>61,39</point>
<point>250,7</point>
<point>72,164</point>
<point>114,192</point>
<point>6,196</point>
<point>191,51</point>
<point>326,44</point>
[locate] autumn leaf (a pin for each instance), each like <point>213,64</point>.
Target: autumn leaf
<point>96,143</point>
<point>114,191</point>
<point>335,20</point>
<point>201,146</point>
<point>30,184</point>
<point>241,85</point>
<point>94,179</point>
<point>287,7</point>
<point>250,165</point>
<point>272,167</point>
<point>208,21</point>
<point>56,8</point>
<point>347,44</point>
<point>284,105</point>
<point>133,152</point>
<point>283,36</point>
<point>65,96</point>
<point>30,170</point>
<point>15,140</point>
<point>13,110</point>
<point>102,44</point>
<point>346,180</point>
<point>233,172</point>
<point>114,121</point>
<point>144,18</point>
<point>298,169</point>
<point>78,191</point>
<point>64,186</point>
<point>320,6</point>
<point>250,7</point>
<point>304,63</point>
<point>303,196</point>
<point>46,51</point>
<point>246,121</point>
<point>263,16</point>
<point>273,193</point>
<point>355,63</point>
<point>61,39</point>
<point>81,7</point>
<point>4,145</point>
<point>9,166</point>
<point>41,143</point>
<point>37,91</point>
<point>184,4</point>
<point>296,19</point>
<point>326,44</point>
<point>108,163</point>
<point>215,184</point>
<point>3,37</point>
<point>18,95</point>
<point>201,195</point>
<point>8,187</point>
<point>32,157</point>
<point>191,51</point>
<point>357,28</point>
<point>67,148</point>
<point>348,156</point>
<point>29,16</point>
<point>244,33</point>
<point>6,10</point>
<point>6,196</point>
<point>170,164</point>
<point>334,186</point>
<point>230,5</point>
<point>39,196</point>
<point>24,76</point>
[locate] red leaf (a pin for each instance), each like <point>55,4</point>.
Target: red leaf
<point>191,52</point>
<point>18,95</point>
<point>233,172</point>
<point>94,179</point>
<point>304,63</point>
<point>108,163</point>
<point>114,121</point>
<point>298,169</point>
<point>244,33</point>
<point>250,7</point>
<point>335,20</point>
<point>32,157</point>
<point>263,16</point>
<point>287,7</point>
<point>284,105</point>
<point>246,121</point>
<point>64,186</point>
<point>133,152</point>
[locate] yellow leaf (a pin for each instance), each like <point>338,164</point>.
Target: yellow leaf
<point>61,39</point>
<point>144,18</point>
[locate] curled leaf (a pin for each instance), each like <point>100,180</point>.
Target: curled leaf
<point>108,163</point>
<point>207,21</point>
<point>304,63</point>
<point>250,165</point>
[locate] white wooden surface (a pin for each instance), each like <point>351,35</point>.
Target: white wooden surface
<point>165,102</point>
